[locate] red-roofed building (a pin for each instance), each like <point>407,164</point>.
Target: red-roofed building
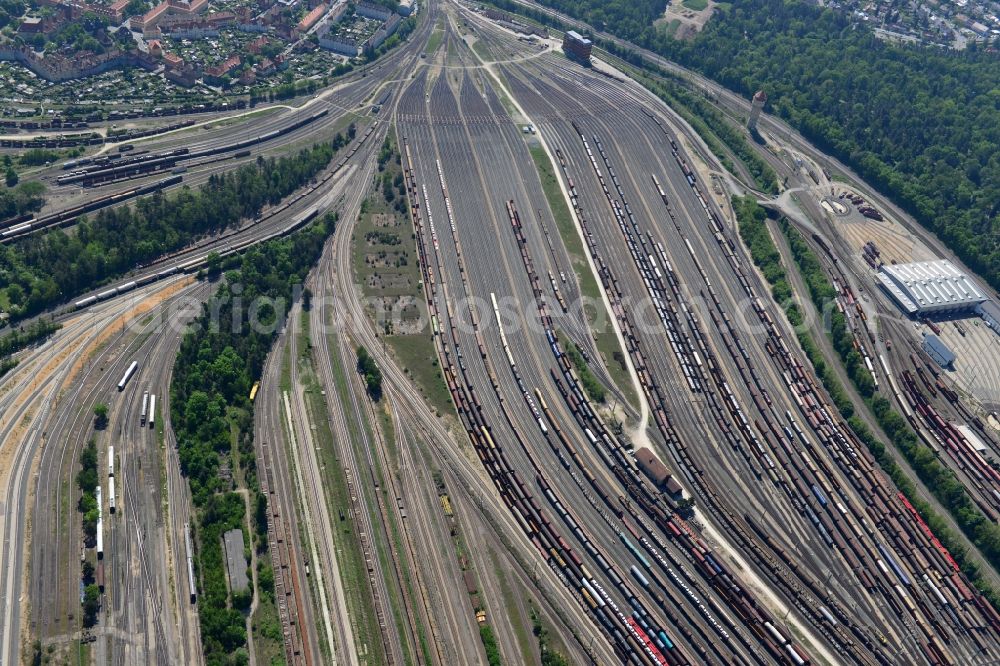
<point>213,75</point>
<point>257,45</point>
<point>184,76</point>
<point>219,19</point>
<point>193,7</point>
<point>657,472</point>
<point>265,67</point>
<point>149,20</point>
<point>311,18</point>
<point>173,60</point>
<point>116,12</point>
<point>155,48</point>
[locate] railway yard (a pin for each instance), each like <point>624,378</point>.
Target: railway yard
<point>715,507</point>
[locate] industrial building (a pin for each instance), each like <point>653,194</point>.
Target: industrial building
<point>657,472</point>
<point>990,313</point>
<point>938,351</point>
<point>577,46</point>
<point>973,439</point>
<point>930,288</point>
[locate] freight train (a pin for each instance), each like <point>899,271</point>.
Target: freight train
<point>88,139</point>
<point>169,159</point>
<point>18,227</point>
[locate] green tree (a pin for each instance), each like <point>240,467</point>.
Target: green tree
<point>100,416</point>
<point>87,477</point>
<point>489,639</point>
<point>90,519</point>
<point>265,579</point>
<point>15,294</point>
<point>91,604</point>
<point>260,515</point>
<point>214,263</point>
<point>11,177</point>
<point>136,7</point>
<point>685,508</point>
<point>371,373</point>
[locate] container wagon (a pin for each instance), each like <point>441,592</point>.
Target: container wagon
<point>145,405</point>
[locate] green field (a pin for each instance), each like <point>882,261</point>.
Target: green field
<point>386,266</point>
<point>695,5</point>
<point>417,357</point>
<point>435,40</point>
<point>605,338</point>
<point>384,254</point>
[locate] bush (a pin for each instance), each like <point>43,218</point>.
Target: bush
<point>752,219</point>
<point>100,416</point>
<point>490,644</point>
<point>371,373</point>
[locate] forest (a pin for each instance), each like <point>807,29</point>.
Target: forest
<point>921,124</point>
<point>625,18</point>
<point>212,417</point>
<point>51,267</point>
